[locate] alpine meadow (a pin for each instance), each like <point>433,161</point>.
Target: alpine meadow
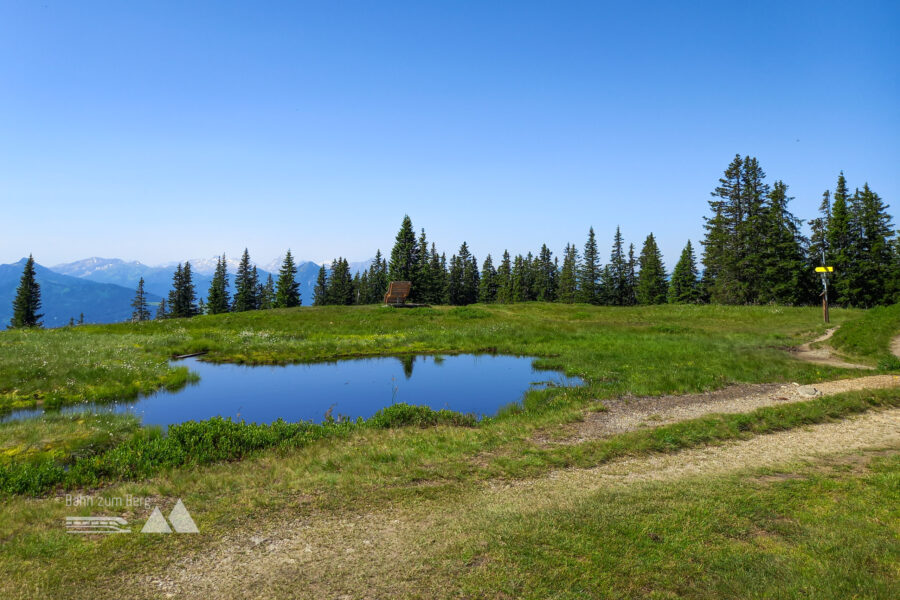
<point>531,328</point>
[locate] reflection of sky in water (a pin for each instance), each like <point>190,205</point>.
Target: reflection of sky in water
<point>467,383</point>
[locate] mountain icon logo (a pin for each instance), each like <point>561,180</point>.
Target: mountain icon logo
<point>180,519</point>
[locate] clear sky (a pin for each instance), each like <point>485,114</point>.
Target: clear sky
<point>161,131</point>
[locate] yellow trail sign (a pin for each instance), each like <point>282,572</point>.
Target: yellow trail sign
<point>824,269</point>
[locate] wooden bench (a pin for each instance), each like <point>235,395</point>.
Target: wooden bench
<point>397,293</point>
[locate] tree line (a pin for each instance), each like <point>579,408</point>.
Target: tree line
<point>753,252</point>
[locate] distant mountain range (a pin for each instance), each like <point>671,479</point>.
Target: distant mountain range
<point>102,288</point>
<point>64,297</point>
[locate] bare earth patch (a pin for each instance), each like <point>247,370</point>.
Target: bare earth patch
<point>631,413</point>
<point>397,552</point>
<point>824,355</point>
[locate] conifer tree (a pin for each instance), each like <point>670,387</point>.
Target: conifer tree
<point>487,291</point>
<point>631,278</point>
<point>161,312</point>
<point>141,312</point>
<point>818,246</point>
<point>28,299</point>
<point>437,277</point>
<point>404,255</point>
<point>201,307</point>
<point>81,318</point>
<point>361,282</point>
<point>684,288</point>
<point>568,282</point>
<point>651,286</point>
<point>378,279</point>
<point>618,273</point>
<point>340,285</point>
<point>183,297</point>
<point>266,295</point>
<point>218,300</point>
<point>781,261</point>
<point>423,289</point>
<point>71,321</point>
<point>868,281</point>
<point>519,279</point>
<point>463,282</point>
<point>320,291</point>
<point>288,293</point>
<point>838,238</point>
<point>245,285</point>
<point>546,276</point>
<point>720,260</point>
<point>589,272</point>
<point>504,280</point>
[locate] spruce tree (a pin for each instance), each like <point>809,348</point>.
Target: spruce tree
<point>28,299</point>
<point>339,289</point>
<point>504,280</point>
<point>519,279</point>
<point>404,255</point>
<point>868,281</point>
<point>463,281</point>
<point>651,285</point>
<point>617,280</point>
<point>288,294</point>
<point>245,286</point>
<point>437,277</point>
<point>838,239</point>
<point>546,276</point>
<point>631,278</point>
<point>781,265</point>
<point>378,279</point>
<point>589,271</point>
<point>161,312</point>
<point>684,288</point>
<point>80,319</point>
<point>320,291</point>
<point>487,291</point>
<point>423,289</point>
<point>720,257</point>
<point>141,312</point>
<point>568,279</point>
<point>183,297</point>
<point>218,300</point>
<point>361,282</point>
<point>267,294</point>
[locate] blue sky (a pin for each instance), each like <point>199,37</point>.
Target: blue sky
<point>161,131</point>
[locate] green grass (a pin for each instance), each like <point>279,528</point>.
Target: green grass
<point>822,533</point>
<point>641,350</point>
<point>870,336</point>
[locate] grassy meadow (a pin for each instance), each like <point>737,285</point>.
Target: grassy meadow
<point>823,531</point>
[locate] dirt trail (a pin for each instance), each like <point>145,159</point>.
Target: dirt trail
<point>403,552</point>
<point>394,552</point>
<point>824,355</point>
<point>627,413</point>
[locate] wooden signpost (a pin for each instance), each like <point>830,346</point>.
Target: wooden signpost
<point>824,271</point>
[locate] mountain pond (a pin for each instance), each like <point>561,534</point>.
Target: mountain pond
<point>468,383</point>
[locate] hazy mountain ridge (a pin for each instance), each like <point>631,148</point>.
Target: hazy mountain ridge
<point>64,297</point>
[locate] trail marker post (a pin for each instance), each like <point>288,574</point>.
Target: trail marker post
<point>824,271</point>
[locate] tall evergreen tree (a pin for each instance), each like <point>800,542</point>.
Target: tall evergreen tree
<point>519,279</point>
<point>340,285</point>
<point>218,300</point>
<point>405,255</point>
<point>245,285</point>
<point>362,287</point>
<point>437,277</point>
<point>568,277</point>
<point>869,281</point>
<point>28,299</point>
<point>266,295</point>
<point>782,265</point>
<point>487,291</point>
<point>504,280</point>
<point>141,312</point>
<point>320,291</point>
<point>288,293</point>
<point>464,278</point>
<point>423,290</point>
<point>378,279</point>
<point>589,272</point>
<point>546,276</point>
<point>161,312</point>
<point>818,247</point>
<point>721,281</point>
<point>684,287</point>
<point>651,286</point>
<point>631,278</point>
<point>839,241</point>
<point>617,282</point>
<point>183,297</point>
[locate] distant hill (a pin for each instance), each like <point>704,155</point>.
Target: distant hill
<point>64,297</point>
<point>158,280</point>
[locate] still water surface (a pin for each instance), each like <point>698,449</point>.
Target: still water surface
<point>466,383</point>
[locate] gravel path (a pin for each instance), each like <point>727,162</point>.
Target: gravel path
<point>387,553</point>
<point>630,413</point>
<point>823,355</point>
